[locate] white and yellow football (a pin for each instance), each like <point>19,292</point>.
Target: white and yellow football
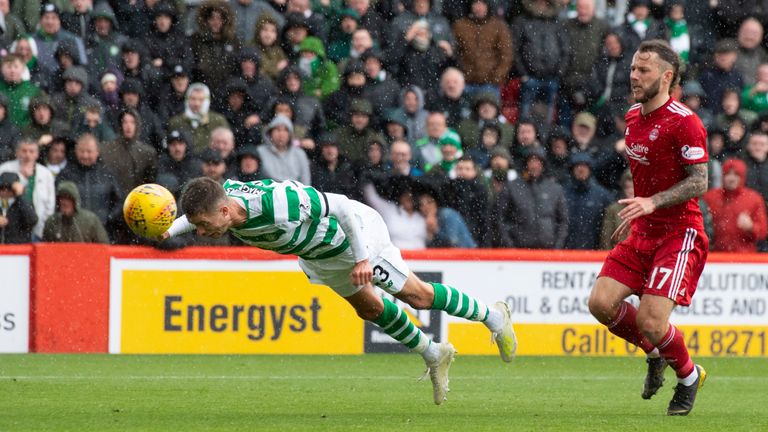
<point>149,210</point>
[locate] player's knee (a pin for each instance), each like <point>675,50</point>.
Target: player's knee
<point>420,295</point>
<point>369,312</point>
<point>601,307</point>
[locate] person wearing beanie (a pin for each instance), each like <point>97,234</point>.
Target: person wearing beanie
<point>450,151</point>
<point>738,212</point>
<point>281,159</point>
<point>75,98</point>
<point>70,222</point>
<point>530,212</point>
<point>587,201</point>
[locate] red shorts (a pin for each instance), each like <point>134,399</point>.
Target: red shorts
<point>667,266</point>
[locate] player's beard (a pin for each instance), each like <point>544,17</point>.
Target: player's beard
<point>649,92</point>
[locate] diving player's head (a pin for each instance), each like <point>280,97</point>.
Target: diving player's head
<point>207,207</point>
<point>655,70</point>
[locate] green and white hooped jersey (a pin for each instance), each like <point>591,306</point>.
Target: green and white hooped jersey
<point>288,218</point>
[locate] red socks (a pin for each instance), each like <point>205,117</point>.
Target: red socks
<point>672,348</point>
<point>624,325</point>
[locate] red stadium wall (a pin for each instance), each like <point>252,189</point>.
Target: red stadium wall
<point>70,283</point>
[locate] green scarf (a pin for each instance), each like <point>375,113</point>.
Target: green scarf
<point>679,38</point>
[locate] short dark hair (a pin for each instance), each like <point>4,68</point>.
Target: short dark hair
<point>665,53</point>
<point>201,196</point>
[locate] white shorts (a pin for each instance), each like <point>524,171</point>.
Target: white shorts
<point>389,269</point>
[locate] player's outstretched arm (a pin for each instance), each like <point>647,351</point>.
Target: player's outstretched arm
<point>694,185</point>
<point>179,226</point>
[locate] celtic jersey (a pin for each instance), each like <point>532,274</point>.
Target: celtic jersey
<point>288,218</point>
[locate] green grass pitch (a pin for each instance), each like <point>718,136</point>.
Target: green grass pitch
<point>367,393</point>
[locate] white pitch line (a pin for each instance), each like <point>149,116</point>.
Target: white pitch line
<point>339,377</point>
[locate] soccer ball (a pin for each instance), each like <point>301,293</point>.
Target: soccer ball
<point>149,210</point>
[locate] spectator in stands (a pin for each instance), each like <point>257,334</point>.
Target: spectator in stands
<point>17,216</point>
<point>421,12</point>
<point>260,89</point>
<point>738,212</point>
<point>13,26</point>
<point>249,164</point>
<point>485,110</point>
<point>360,43</point>
<point>489,140</point>
<point>526,140</point>
<point>380,87</point>
<point>166,43</point>
<point>281,160</point>
<point>427,149</point>
<point>249,13</point>
<point>223,141</point>
<point>559,155</point>
<point>587,201</point>
<point>55,155</point>
<point>135,64</point>
<point>407,227</point>
<point>693,97</point>
<point>29,11</point>
<point>215,46</point>
<point>418,59</point>
<point>198,120</point>
<point>241,113</point>
<point>755,96</point>
<point>411,111</point>
<point>308,112</point>
<point>99,189</point>
<point>332,172</point>
<point>104,42</point>
<point>499,174</point>
<point>370,20</point>
<point>586,33</point>
<point>450,152</point>
<point>70,222</point>
<point>722,75</point>
<point>9,133</point>
<point>18,91</point>
<point>78,20</point>
<point>445,226</point>
<point>173,97</point>
<point>468,194</point>
<point>93,122</point>
<point>640,25</point>
<point>26,47</point>
<point>400,157</point>
<point>266,43</point>
<point>75,98</point>
<point>132,161</point>
<point>354,137</point>
<point>109,90</point>
<point>177,165</point>
<point>609,86</point>
<point>315,21</point>
<point>542,48</point>
<point>531,212</point>
<point>756,158</point>
<point>295,30</point>
<point>376,163</point>
<point>731,111</point>
<point>320,76</point>
<point>353,83</point>
<point>48,36</point>
<point>340,46</point>
<point>132,96</point>
<point>136,17</point>
<point>36,179</point>
<point>214,166</point>
<point>611,219</point>
<point>484,48</point>
<point>583,139</point>
<point>751,53</point>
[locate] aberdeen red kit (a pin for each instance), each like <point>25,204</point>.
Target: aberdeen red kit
<point>666,250</point>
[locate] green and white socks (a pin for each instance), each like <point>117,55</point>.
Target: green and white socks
<point>395,322</point>
<point>458,304</point>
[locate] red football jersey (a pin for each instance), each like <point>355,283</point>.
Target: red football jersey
<point>659,145</point>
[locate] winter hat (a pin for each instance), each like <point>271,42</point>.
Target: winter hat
<point>132,85</point>
<point>693,88</point>
<point>108,77</point>
<point>581,158</point>
<point>537,152</point>
<point>280,120</point>
<point>501,152</point>
<point>327,138</point>
<point>49,7</point>
<point>450,137</point>
<point>585,119</point>
<point>210,155</point>
<point>76,73</point>
<point>177,136</point>
<point>361,106</point>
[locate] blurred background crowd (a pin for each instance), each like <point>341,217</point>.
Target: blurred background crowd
<point>465,123</point>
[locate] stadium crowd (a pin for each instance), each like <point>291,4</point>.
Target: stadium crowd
<point>465,123</point>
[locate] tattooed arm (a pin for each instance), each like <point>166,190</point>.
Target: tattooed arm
<point>694,185</point>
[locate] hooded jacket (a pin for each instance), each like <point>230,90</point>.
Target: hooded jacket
<point>82,227</point>
<point>416,122</point>
<point>132,161</point>
<point>307,110</point>
<point>587,202</point>
<point>324,78</point>
<point>726,206</point>
<point>271,56</point>
<point>198,125</point>
<point>104,52</point>
<point>290,164</point>
<point>173,46</point>
<point>99,190</point>
<point>215,54</point>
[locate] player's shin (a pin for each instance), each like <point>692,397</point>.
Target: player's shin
<point>459,304</point>
<point>672,348</point>
<point>624,325</point>
<point>395,322</point>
